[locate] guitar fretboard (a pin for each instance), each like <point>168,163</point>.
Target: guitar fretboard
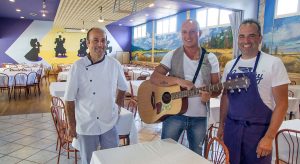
<point>193,92</point>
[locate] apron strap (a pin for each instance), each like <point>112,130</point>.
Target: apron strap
<point>255,65</point>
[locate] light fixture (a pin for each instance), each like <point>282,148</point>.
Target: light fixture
<point>18,10</point>
<point>44,11</point>
<point>22,17</point>
<point>151,5</point>
<point>100,18</point>
<point>11,0</point>
<point>83,29</point>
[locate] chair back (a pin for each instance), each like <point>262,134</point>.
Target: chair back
<point>4,80</point>
<point>217,152</point>
<point>31,78</point>
<point>287,142</point>
<point>59,103</point>
<point>132,107</point>
<point>291,93</point>
<point>20,79</point>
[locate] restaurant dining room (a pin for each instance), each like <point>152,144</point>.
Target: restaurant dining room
<point>174,83</point>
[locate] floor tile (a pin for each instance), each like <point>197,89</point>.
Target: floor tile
<point>27,162</point>
<point>10,147</point>
<point>42,156</point>
<point>24,152</point>
<point>28,131</point>
<point>12,137</point>
<point>27,140</point>
<point>2,142</point>
<point>63,160</point>
<point>15,128</point>
<point>43,134</point>
<point>9,160</point>
<point>42,144</point>
<point>4,133</point>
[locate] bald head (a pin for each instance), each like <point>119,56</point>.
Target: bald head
<point>191,23</point>
<point>190,33</point>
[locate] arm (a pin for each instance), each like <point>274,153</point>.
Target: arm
<point>205,96</point>
<point>120,98</point>
<point>280,94</point>
<point>223,113</point>
<point>159,78</point>
<point>70,114</point>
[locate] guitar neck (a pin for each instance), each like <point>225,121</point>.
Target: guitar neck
<point>197,91</point>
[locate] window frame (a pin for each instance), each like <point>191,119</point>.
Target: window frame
<point>218,23</point>
<point>297,13</point>
<point>168,21</point>
<point>138,31</point>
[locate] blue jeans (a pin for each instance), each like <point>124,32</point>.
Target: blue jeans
<point>195,127</point>
<point>89,143</point>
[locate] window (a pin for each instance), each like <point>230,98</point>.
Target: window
<point>285,9</point>
<point>166,25</point>
<point>213,17</point>
<point>139,31</point>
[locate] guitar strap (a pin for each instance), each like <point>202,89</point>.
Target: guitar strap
<point>199,64</point>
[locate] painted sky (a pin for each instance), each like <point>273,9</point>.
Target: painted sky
<point>285,35</point>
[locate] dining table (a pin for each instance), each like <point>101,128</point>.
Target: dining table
<point>165,151</point>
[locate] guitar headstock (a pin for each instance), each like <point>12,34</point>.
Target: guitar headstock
<point>237,83</point>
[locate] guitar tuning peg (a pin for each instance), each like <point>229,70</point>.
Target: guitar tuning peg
<point>231,91</point>
<point>246,89</point>
<point>229,78</point>
<point>239,90</point>
<point>237,76</point>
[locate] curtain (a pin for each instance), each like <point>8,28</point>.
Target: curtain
<point>235,21</point>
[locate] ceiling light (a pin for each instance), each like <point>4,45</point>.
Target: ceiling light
<point>83,29</point>
<point>12,0</point>
<point>120,24</point>
<point>131,20</point>
<point>151,5</point>
<point>146,15</point>
<point>22,17</point>
<point>18,10</point>
<point>100,19</point>
<point>33,14</point>
<point>44,15</point>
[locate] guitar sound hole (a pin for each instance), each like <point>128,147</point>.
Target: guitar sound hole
<point>166,98</point>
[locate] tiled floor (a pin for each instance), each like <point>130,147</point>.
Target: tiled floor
<point>31,139</point>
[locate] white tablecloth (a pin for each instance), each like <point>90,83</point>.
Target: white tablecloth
<point>155,152</point>
<point>294,106</point>
<point>214,111</point>
<point>295,89</point>
<point>62,76</point>
<point>283,148</point>
<point>135,86</point>
<point>125,124</point>
<point>11,75</point>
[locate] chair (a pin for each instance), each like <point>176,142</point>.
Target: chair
<point>291,93</point>
<point>57,102</point>
<point>287,138</point>
<point>293,82</point>
<point>4,84</point>
<point>20,80</point>
<point>46,75</point>
<point>61,127</point>
<point>31,78</point>
<point>132,107</point>
<point>217,152</point>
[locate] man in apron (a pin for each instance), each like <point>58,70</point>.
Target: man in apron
<point>250,118</point>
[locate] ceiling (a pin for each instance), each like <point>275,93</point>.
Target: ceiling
<point>85,13</point>
<point>30,9</point>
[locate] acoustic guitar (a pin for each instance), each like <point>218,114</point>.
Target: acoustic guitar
<point>156,103</point>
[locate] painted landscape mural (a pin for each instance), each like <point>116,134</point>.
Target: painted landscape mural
<point>284,41</point>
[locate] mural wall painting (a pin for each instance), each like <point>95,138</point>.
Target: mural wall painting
<point>33,54</point>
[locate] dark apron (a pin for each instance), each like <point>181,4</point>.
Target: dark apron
<point>247,121</point>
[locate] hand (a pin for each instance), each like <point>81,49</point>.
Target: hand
<point>205,96</point>
<point>72,131</point>
<point>264,147</point>
<point>220,132</point>
<point>185,84</point>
